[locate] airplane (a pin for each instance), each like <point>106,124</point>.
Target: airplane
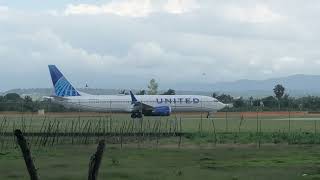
<point>137,105</point>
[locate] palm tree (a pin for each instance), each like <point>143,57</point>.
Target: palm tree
<point>279,92</point>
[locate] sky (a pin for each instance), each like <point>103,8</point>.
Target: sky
<point>180,43</point>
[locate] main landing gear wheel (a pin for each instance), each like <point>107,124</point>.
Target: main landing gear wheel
<point>136,115</point>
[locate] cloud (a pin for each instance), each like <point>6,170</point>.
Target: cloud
<point>143,59</point>
<point>259,13</point>
<point>130,8</point>
<point>288,63</point>
<point>180,6</point>
<point>125,43</point>
<point>4,10</point>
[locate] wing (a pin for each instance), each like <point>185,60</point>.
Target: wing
<point>137,105</point>
<point>57,98</point>
<point>149,110</point>
<point>143,106</point>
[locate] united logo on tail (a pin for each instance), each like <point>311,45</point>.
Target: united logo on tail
<point>62,86</point>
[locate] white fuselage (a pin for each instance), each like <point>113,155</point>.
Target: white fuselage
<point>122,103</point>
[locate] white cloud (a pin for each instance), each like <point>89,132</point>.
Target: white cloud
<point>288,63</point>
<point>4,10</point>
<point>225,40</point>
<point>130,8</point>
<point>260,13</point>
<point>180,6</point>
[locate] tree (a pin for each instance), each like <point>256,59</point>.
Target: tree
<point>123,91</point>
<point>225,98</point>
<point>170,92</point>
<point>238,103</point>
<point>269,102</point>
<point>251,101</point>
<point>27,99</point>
<point>12,97</point>
<point>279,92</point>
<point>153,87</point>
<point>141,92</point>
<point>214,95</point>
<point>287,101</point>
<point>28,104</point>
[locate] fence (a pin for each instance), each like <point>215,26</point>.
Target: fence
<point>293,127</point>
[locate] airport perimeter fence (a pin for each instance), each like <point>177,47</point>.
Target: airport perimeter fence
<point>47,129</point>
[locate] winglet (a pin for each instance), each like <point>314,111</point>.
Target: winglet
<point>133,98</point>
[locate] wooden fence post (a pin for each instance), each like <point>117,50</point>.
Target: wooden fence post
<point>26,155</point>
<point>95,161</point>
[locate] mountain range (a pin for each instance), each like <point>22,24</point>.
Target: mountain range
<point>296,85</point>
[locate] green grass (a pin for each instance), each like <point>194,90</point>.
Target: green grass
<point>189,123</point>
<point>228,154</point>
<point>222,129</point>
<point>222,162</point>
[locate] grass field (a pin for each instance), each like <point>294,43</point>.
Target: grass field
<point>224,147</point>
<point>190,123</point>
<point>167,163</point>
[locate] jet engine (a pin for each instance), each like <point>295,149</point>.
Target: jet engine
<point>159,111</point>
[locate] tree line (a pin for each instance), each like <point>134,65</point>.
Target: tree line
<point>280,101</point>
<point>14,102</point>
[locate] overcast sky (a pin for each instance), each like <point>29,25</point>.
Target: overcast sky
<point>125,43</point>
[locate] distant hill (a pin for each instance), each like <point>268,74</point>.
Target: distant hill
<point>296,85</point>
<point>40,92</point>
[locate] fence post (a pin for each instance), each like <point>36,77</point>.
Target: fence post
<point>289,121</point>
<point>180,138</point>
<point>26,155</point>
<point>214,132</point>
<point>241,120</point>
<point>260,132</point>
<point>315,131</point>
<point>227,128</point>
<point>121,134</point>
<point>257,132</point>
<point>95,161</point>
<point>201,119</point>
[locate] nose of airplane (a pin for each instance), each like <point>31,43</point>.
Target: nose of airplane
<point>222,105</point>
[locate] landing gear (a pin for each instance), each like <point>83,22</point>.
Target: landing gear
<point>136,115</point>
<point>210,115</point>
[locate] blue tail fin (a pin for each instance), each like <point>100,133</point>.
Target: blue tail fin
<point>133,98</point>
<point>62,87</point>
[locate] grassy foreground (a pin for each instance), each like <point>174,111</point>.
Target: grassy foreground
<point>222,122</point>
<point>190,162</point>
